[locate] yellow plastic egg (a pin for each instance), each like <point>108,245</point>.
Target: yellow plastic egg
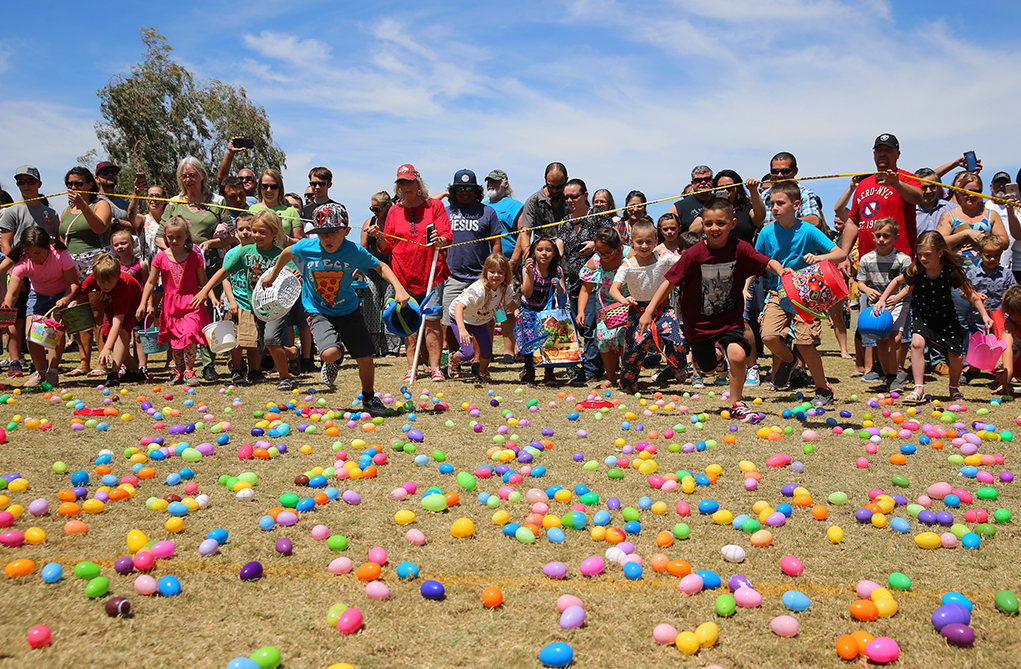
<point>687,642</point>
<point>35,536</point>
<point>562,496</point>
<point>688,484</point>
<point>714,469</point>
<point>174,524</point>
<point>550,520</point>
<point>16,510</point>
<point>598,533</point>
<point>462,528</point>
<point>190,503</point>
<point>136,541</point>
<point>759,506</point>
<point>648,467</point>
<point>835,534</point>
<point>659,508</point>
<point>160,505</point>
<point>93,506</point>
<point>707,634</point>
<point>18,485</point>
<point>5,502</point>
<point>927,540</point>
<point>879,520</point>
<point>723,517</point>
<point>404,517</point>
<point>500,517</point>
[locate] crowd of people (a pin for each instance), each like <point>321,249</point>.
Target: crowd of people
<point>695,293</point>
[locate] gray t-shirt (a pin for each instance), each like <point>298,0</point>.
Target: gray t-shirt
<point>20,217</point>
<point>118,206</point>
<point>878,271</point>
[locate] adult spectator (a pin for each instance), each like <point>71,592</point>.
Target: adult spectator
<point>31,212</point>
<point>271,196</point>
<point>579,245</point>
<point>106,178</point>
<point>749,209</point>
<point>603,200</point>
<point>785,166</point>
<point>85,228</point>
<point>471,222</point>
<point>149,237</point>
<point>246,175</point>
<point>409,219</point>
<point>320,180</point>
<point>634,210</point>
<point>232,190</point>
<point>931,208</point>
<point>501,198</point>
<point>690,208</point>
<point>891,192</point>
<point>543,210</point>
<point>998,188</point>
<point>386,343</point>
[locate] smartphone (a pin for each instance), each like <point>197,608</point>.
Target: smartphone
<point>429,229</point>
<point>243,143</point>
<point>969,161</point>
<point>1013,192</point>
<point>140,176</point>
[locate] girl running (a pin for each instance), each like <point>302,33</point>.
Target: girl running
<point>472,311</point>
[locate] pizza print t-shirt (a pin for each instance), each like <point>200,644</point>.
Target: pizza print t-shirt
<point>326,288</point>
<point>245,266</point>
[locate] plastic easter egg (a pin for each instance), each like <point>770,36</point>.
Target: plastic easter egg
<point>462,528</point>
<point>97,587</point>
<point>242,663</point>
<point>707,634</point>
<point>163,549</point>
<point>39,636</point>
<point>169,586</point>
<point>664,634</point>
<point>958,635</point>
<point>927,540</point>
<point>492,597</point>
<point>784,626</point>
<point>791,565</point>
<point>267,657</point>
<point>864,610</point>
<point>86,570</point>
<point>572,618</point>
<point>433,590</point>
<point>725,605</point>
<point>687,642</point>
<point>251,571</point>
<point>350,621</point>
<point>565,601</point>
<point>52,572</point>
<point>691,584</point>
<point>835,534</point>
<point>847,647</point>
<point>1006,601</point>
<point>796,601</point>
<point>592,566</point>
<point>866,588</point>
<point>899,581</point>
<point>733,553</point>
<point>556,655</point>
<point>145,585</point>
<point>407,570</point>
<point>882,650</point>
<point>957,598</point>
<point>415,537</point>
<point>19,568</point>
<point>747,598</point>
<point>762,538</point>
<point>208,547</point>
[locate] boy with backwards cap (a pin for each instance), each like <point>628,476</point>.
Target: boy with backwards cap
<point>332,305</point>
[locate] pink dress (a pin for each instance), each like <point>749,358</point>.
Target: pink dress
<point>180,325</point>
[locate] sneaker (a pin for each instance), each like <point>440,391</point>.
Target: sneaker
<point>342,353</point>
<point>662,375</point>
<point>752,379</point>
<point>902,376</point>
<point>113,380</point>
<point>437,375</point>
<point>782,375</point>
<point>237,377</point>
<point>189,375</point>
<point>577,378</point>
<point>942,368</point>
<point>549,376</point>
<point>527,376</point>
<point>696,380</point>
<point>721,380</point>
<point>208,373</point>
<point>741,412</point>
<point>133,377</point>
<point>34,380</point>
<point>872,377</point>
<point>823,396</point>
<point>14,370</point>
<point>144,371</point>
<point>407,375</point>
<point>256,376</point>
<point>896,385</point>
<point>52,377</point>
<point>373,405</point>
<point>328,372</point>
<point>177,378</point>
<point>285,385</point>
<point>484,379</point>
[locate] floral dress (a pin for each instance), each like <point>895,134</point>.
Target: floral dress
<point>601,279</point>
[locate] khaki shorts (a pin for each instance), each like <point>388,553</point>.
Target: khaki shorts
<point>248,333</point>
<point>776,322</point>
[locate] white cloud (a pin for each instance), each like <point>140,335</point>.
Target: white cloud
<point>288,48</point>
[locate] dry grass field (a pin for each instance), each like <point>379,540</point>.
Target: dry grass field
<point>218,617</point>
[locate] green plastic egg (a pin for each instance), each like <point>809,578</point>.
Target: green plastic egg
<point>987,493</point>
<point>288,500</point>
<point>839,498</point>
<point>86,570</point>
<point>337,542</point>
<point>725,606</point>
<point>1006,601</point>
<point>899,581</point>
<point>97,587</point>
<point>900,481</point>
<point>1001,516</point>
<point>615,474</point>
<point>681,531</point>
<point>466,481</point>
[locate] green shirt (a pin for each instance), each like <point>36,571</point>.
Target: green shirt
<point>289,216</point>
<point>245,265</point>
<point>202,222</point>
<point>79,236</point>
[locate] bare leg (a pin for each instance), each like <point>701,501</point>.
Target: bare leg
<point>736,357</point>
<point>918,359</point>
<point>810,354</point>
<point>837,319</point>
<point>611,363</point>
<point>366,374</point>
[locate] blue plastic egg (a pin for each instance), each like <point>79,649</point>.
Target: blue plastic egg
<point>557,654</point>
<point>602,518</point>
<point>957,598</point>
<point>710,579</point>
<point>708,506</point>
<point>267,523</point>
<point>169,586</point>
<point>52,572</point>
<point>796,601</point>
<point>218,534</point>
<point>900,525</point>
<point>632,571</point>
<point>407,570</point>
<point>632,527</point>
<point>446,468</point>
<point>971,540</point>
<point>177,509</point>
<point>433,590</point>
<point>173,478</point>
<point>80,477</point>
<point>555,535</point>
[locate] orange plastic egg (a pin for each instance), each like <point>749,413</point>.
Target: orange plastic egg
<point>69,509</point>
<point>664,539</point>
<point>492,597</point>
<point>864,610</point>
<point>369,571</point>
<point>862,639</point>
<point>847,647</point>
<point>659,562</point>
<point>820,512</point>
<point>678,568</point>
<point>75,527</point>
<point>19,568</point>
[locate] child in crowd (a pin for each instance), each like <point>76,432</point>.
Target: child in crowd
<point>475,308</point>
<point>876,270</point>
<point>795,244</point>
<point>54,285</point>
<point>123,244</point>
<point>713,274</point>
<point>598,274</point>
<point>931,278</point>
<point>183,275</point>
<point>239,306</point>
<point>331,303</point>
<point>643,273</point>
<point>542,273</point>
<point>253,261</point>
<point>669,230</point>
<point>1011,305</point>
<point>991,280</point>
<point>121,295</point>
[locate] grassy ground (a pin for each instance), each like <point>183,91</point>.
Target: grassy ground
<point>218,617</point>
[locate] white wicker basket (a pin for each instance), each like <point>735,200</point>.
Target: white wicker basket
<point>269,304</point>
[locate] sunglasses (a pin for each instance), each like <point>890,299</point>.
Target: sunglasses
<point>75,184</point>
<point>248,179</point>
<point>701,180</point>
<point>270,186</point>
<point>108,171</point>
<point>308,196</point>
<point>317,184</point>
<point>550,186</point>
<point>26,182</point>
<point>781,171</point>
<point>375,210</point>
<point>464,189</point>
<point>572,197</point>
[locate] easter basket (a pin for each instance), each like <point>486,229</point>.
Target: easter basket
<point>270,304</point>
<point>149,336</point>
<point>527,332</point>
<point>220,334</point>
<point>45,331</point>
<point>613,316</point>
<point>811,291</point>
<point>8,315</point>
<point>77,318</point>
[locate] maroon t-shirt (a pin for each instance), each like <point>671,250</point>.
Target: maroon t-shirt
<point>712,281</point>
<point>123,300</point>
<point>872,201</point>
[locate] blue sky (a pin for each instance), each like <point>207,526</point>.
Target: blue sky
<point>627,95</point>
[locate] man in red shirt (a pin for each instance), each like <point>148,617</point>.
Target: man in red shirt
<point>891,192</point>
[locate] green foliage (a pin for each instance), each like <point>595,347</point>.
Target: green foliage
<point>159,114</point>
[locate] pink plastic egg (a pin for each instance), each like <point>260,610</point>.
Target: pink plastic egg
<point>882,649</point>
<point>948,540</point>
<point>791,566</point>
<point>865,589</point>
<point>39,636</point>
<point>399,494</point>
<point>565,601</point>
<point>144,560</point>
<point>664,634</point>
<point>339,566</point>
<point>862,463</point>
<point>592,566</point>
<point>145,585</point>
<point>747,598</point>
<point>350,621</point>
<point>320,533</point>
<point>39,507</point>
<point>163,549</point>
<point>377,555</point>
<point>691,584</point>
<point>415,537</point>
<point>784,626</point>
<point>377,590</point>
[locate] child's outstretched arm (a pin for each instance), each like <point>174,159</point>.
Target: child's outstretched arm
<point>836,255</point>
<point>661,294</point>
<point>146,304</point>
<point>285,257</point>
<point>894,286</point>
<point>400,295</point>
<point>619,296</point>
<point>13,290</point>
<point>203,293</point>
<point>73,288</point>
<point>106,355</point>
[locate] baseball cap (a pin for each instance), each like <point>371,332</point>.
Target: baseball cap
<point>1000,176</point>
<point>105,164</point>
<point>328,217</point>
<point>406,172</point>
<point>497,175</point>
<point>465,177</point>
<point>28,171</point>
<point>887,139</point>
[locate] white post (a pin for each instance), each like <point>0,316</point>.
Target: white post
<point>421,327</point>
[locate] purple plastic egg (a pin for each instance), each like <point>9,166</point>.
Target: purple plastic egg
<point>284,546</point>
<point>949,614</point>
<point>738,581</point>
<point>251,571</point>
<point>555,570</point>
<point>863,515</point>
<point>124,565</point>
<point>287,518</point>
<point>39,507</point>
<point>958,634</point>
<point>351,497</point>
<point>944,518</point>
<point>573,617</point>
<point>208,547</point>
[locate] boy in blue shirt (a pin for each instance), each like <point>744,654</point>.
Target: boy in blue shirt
<point>331,303</point>
<point>795,244</point>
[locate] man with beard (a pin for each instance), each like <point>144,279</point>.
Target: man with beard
<point>508,210</point>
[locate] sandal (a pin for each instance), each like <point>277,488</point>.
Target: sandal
<point>607,384</point>
<point>956,395</point>
<point>78,371</point>
<point>294,366</point>
<point>285,384</point>
<point>453,369</point>
<point>97,372</point>
<point>916,396</point>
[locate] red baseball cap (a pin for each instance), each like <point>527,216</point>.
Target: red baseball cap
<point>406,173</point>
